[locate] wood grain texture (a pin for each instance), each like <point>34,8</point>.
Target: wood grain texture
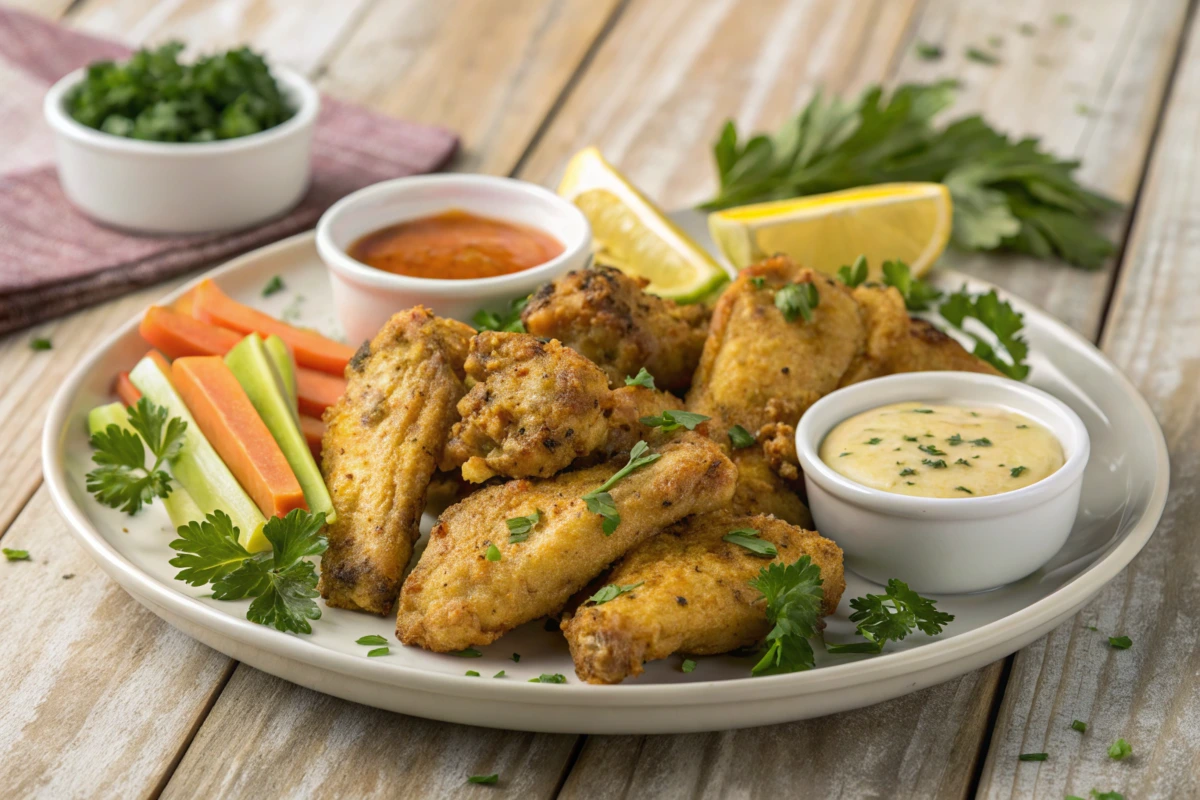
<point>491,71</point>
<point>342,749</point>
<point>1150,694</point>
<point>100,696</point>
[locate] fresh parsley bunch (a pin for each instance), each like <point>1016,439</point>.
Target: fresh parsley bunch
<point>122,479</point>
<point>1007,193</point>
<point>794,597</point>
<point>282,583</point>
<point>509,320</point>
<point>153,96</point>
<point>891,617</point>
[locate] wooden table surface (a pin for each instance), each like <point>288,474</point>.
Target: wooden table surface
<point>102,699</point>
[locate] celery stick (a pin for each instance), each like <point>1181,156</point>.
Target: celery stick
<point>252,365</point>
<point>281,357</point>
<point>100,417</point>
<point>198,467</point>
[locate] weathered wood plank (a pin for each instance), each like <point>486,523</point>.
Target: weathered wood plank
<point>46,8</point>
<point>100,696</point>
<point>1150,694</point>
<point>491,71</point>
<point>348,750</point>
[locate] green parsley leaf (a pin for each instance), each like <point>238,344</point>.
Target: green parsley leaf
<point>611,592</point>
<point>508,321</point>
<point>964,462</point>
<point>599,501</point>
<point>797,300</point>
<point>739,437</point>
<point>983,442</point>
<point>373,638</point>
<point>516,657</point>
<point>1096,794</point>
<point>939,463</point>
<point>643,378</point>
<point>1119,750</point>
<point>1033,757</point>
<point>602,503</point>
<point>923,411</point>
<point>1120,642</point>
<point>1016,471</point>
<point>545,678</point>
<point>963,489</point>
<point>904,473</point>
<point>931,449</point>
<point>854,274</point>
<point>470,652</point>
<point>918,295</point>
<point>891,617</point>
<point>485,779</point>
<point>873,440</point>
<point>982,56</point>
<point>376,653</point>
<point>928,52</point>
<point>122,479</point>
<point>472,673</point>
<point>493,553</point>
<point>499,674</point>
<point>1027,29</point>
<point>748,538</point>
<point>687,666</point>
<point>14,555</point>
<point>274,285</point>
<point>956,439</point>
<point>209,550</point>
<point>794,597</point>
<point>519,528</point>
<point>1079,725</point>
<point>40,344</point>
<point>1000,319</point>
<point>669,421</point>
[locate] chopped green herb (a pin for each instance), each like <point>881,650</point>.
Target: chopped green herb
<point>121,479</point>
<point>643,378</point>
<point>1120,642</point>
<point>485,779</point>
<point>274,285</point>
<point>520,527</point>
<point>1022,427</point>
<point>669,421</point>
<point>797,300</point>
<point>922,411</point>
<point>932,449</point>
<point>15,555</point>
<point>611,592</point>
<point>904,473</point>
<point>748,538</point>
<point>928,52</point>
<point>378,651</point>
<point>1016,471</point>
<point>688,665</point>
<point>599,501</point>
<point>982,56</point>
<point>910,483</point>
<point>499,674</point>
<point>40,344</point>
<point>1119,749</point>
<point>995,41</point>
<point>854,274</point>
<point>508,321</point>
<point>910,439</point>
<point>983,442</point>
<point>891,617</point>
<point>1062,20</point>
<point>472,674</point>
<point>963,489</point>
<point>1027,29</point>
<point>493,553</point>
<point>956,439</point>
<point>918,295</point>
<point>1033,757</point>
<point>516,658</point>
<point>739,437</point>
<point>545,678</point>
<point>873,440</point>
<point>470,652</point>
<point>794,596</point>
<point>1079,725</point>
<point>939,463</point>
<point>1096,794</point>
<point>1091,627</point>
<point>373,638</point>
<point>964,462</point>
<point>843,455</point>
<point>758,281</point>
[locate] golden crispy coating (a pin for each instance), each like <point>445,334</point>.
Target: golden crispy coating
<point>536,407</point>
<point>456,597</point>
<point>760,490</point>
<point>628,406</point>
<point>381,444</point>
<point>695,595</point>
<point>604,314</point>
<point>758,367</point>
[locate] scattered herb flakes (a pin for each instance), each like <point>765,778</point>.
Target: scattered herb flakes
<point>939,463</point>
<point>472,673</point>
<point>982,442</point>
<point>928,52</point>
<point>1096,794</point>
<point>910,483</point>
<point>963,489</point>
<point>1027,29</point>
<point>922,411</point>
<point>378,651</point>
<point>516,658</point>
<point>545,678</point>
<point>932,449</point>
<point>1120,749</point>
<point>499,674</point>
<point>599,501</point>
<point>855,274</point>
<point>484,779</point>
<point>982,56</point>
<point>904,473</point>
<point>1091,627</point>
<point>964,462</point>
<point>519,528</point>
<point>797,300</point>
<point>1079,725</point>
<point>1022,427</point>
<point>688,665</point>
<point>643,378</point>
<point>843,455</point>
<point>40,344</point>
<point>1016,471</point>
<point>493,553</point>
<point>995,42</point>
<point>748,538</point>
<point>910,438</point>
<point>15,555</point>
<point>873,440</point>
<point>668,421</point>
<point>508,321</point>
<point>1062,20</point>
<point>956,439</point>
<point>739,437</point>
<point>1033,756</point>
<point>1120,642</point>
<point>372,639</point>
<point>470,652</point>
<point>611,592</point>
<point>274,285</point>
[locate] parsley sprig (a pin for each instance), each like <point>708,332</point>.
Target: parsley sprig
<point>281,581</point>
<point>611,592</point>
<point>508,321</point>
<point>794,596</point>
<point>122,479</point>
<point>519,528</point>
<point>668,421</point>
<point>599,501</point>
<point>643,378</point>
<point>797,300</point>
<point>891,617</point>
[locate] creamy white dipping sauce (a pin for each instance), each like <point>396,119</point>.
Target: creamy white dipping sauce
<point>942,451</point>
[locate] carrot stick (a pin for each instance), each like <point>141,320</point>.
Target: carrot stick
<point>183,303</point>
<point>228,420</point>
<point>314,432</point>
<point>125,389</point>
<point>179,335</point>
<point>311,349</point>
<point>317,391</point>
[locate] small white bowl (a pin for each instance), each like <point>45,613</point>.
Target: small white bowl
<point>366,297</point>
<point>185,187</point>
<point>940,545</point>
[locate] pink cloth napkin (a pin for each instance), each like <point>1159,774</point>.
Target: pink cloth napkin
<point>54,260</point>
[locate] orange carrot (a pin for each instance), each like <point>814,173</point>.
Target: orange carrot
<point>126,391</point>
<point>160,359</point>
<point>310,348</point>
<point>314,431</point>
<point>228,420</point>
<point>179,335</point>
<point>317,391</point>
<point>183,303</point>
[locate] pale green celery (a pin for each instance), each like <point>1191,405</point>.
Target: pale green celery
<point>251,364</point>
<point>198,468</point>
<point>281,357</point>
<point>100,417</point>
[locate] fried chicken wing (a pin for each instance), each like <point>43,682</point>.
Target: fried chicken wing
<point>758,366</point>
<point>456,597</point>
<point>604,314</point>
<point>694,595</point>
<point>762,489</point>
<point>381,445</point>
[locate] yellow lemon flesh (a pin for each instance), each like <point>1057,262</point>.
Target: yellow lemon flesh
<point>907,222</point>
<point>633,235</point>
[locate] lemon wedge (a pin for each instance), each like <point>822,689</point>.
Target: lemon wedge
<point>633,235</point>
<point>907,222</point>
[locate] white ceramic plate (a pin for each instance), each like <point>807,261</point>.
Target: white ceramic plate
<point>1124,491</point>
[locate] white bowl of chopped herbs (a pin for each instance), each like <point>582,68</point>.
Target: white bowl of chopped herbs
<point>157,145</point>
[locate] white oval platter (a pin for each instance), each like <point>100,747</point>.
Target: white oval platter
<point>1123,497</point>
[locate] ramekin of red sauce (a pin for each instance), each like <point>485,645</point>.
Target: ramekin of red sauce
<point>452,243</point>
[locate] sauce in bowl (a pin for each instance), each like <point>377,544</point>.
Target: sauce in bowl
<point>942,450</point>
<point>455,245</point>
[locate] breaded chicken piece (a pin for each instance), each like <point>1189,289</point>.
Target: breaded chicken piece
<point>604,314</point>
<point>456,597</point>
<point>694,595</point>
<point>762,490</point>
<point>535,407</point>
<point>381,444</point>
<point>757,366</point>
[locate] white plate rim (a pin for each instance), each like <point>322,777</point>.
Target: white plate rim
<point>992,636</point>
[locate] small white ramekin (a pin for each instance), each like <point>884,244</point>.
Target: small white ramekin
<point>185,187</point>
<point>366,297</point>
<point>941,545</point>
